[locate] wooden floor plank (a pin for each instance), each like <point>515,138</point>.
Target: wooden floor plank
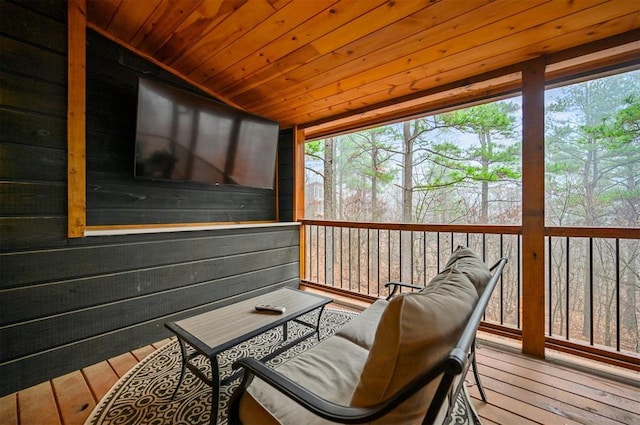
<point>74,397</point>
<point>519,407</point>
<point>580,396</point>
<point>9,409</point>
<point>101,377</point>
<point>553,401</point>
<point>123,363</point>
<point>521,390</point>
<point>494,412</point>
<point>162,343</point>
<point>565,373</point>
<point>143,352</point>
<point>37,406</point>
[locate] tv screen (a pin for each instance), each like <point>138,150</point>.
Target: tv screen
<point>186,137</point>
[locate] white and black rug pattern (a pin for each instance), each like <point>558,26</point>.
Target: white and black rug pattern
<point>143,395</point>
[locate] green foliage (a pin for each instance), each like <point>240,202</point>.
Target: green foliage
<point>593,152</point>
<point>466,165</point>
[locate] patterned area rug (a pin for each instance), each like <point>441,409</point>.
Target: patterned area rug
<point>143,396</point>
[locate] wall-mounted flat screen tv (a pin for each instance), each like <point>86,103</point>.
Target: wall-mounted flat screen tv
<point>186,137</point>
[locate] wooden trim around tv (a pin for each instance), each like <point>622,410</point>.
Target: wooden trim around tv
<point>76,118</point>
<point>77,144</point>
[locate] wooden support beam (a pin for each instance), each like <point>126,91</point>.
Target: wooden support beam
<point>533,256</point>
<point>76,118</point>
<point>298,189</point>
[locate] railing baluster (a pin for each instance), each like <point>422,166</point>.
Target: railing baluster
<point>310,263</point>
<point>359,265</point>
<point>389,255</point>
<point>567,290</point>
<point>368,263</point>
<point>378,256</point>
<point>550,286</point>
<point>349,257</point>
<point>317,254</point>
<point>424,257</point>
<point>324,232</point>
<point>400,255</point>
<point>617,294</point>
<point>518,272</point>
<point>438,253</point>
<point>411,252</point>
<point>501,285</point>
<point>341,257</point>
<point>333,255</point>
<point>591,291</point>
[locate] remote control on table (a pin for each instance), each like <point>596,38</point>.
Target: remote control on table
<point>270,308</point>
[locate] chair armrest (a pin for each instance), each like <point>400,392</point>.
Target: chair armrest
<point>450,365</point>
<point>294,391</point>
<point>396,285</point>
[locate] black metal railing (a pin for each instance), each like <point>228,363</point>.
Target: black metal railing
<point>593,288</point>
<point>361,257</point>
<point>592,283</point>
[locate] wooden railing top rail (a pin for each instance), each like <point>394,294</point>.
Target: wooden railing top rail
<point>418,227</point>
<point>594,232</point>
<point>576,231</point>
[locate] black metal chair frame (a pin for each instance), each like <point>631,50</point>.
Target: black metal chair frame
<point>455,363</point>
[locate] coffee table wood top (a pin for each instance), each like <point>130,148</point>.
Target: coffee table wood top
<point>220,329</point>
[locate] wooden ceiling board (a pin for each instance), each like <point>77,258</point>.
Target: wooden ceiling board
<point>101,13</point>
<point>387,13</point>
<point>318,111</point>
<point>437,67</point>
<point>308,62</point>
<point>162,23</point>
<point>187,47</point>
<point>241,77</point>
<point>299,81</point>
<point>278,24</point>
<point>400,58</point>
<point>129,18</point>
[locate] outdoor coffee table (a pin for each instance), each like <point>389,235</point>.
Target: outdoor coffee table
<point>215,331</point>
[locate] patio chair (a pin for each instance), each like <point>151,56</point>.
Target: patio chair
<point>427,395</point>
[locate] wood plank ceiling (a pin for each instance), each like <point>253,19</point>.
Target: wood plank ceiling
<point>310,62</point>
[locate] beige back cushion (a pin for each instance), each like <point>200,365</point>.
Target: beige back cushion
<point>466,261</point>
<point>415,331</point>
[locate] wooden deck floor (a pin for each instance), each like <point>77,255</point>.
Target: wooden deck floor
<point>521,390</point>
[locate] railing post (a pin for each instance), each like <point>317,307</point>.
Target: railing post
<point>533,230</point>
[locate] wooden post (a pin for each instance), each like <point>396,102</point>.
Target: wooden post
<point>533,230</point>
<point>298,190</point>
<point>76,118</point>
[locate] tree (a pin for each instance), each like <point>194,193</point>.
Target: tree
<point>372,166</point>
<point>593,164</point>
<point>491,161</point>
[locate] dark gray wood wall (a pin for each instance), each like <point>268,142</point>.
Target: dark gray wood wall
<point>68,303</point>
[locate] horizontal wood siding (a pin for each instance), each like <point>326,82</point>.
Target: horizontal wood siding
<point>68,303</point>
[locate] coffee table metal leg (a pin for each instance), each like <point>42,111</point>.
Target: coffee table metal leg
<point>184,366</point>
<point>215,389</point>
<point>318,323</point>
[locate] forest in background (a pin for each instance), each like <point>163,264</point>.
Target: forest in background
<point>464,167</point>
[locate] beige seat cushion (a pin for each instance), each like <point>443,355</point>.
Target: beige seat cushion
<point>361,329</point>
<point>331,370</point>
<point>415,331</point>
<point>464,260</point>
